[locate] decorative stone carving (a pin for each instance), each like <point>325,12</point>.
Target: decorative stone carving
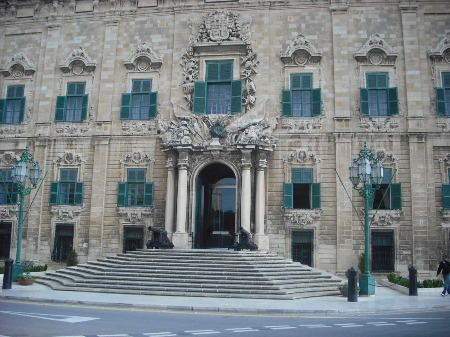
<point>9,212</point>
<point>303,217</point>
<point>444,165</point>
<point>441,52</point>
<point>12,129</point>
<point>68,159</point>
<point>137,158</point>
<point>71,129</point>
<point>135,214</point>
<point>386,156</point>
<point>303,156</point>
<point>78,63</point>
<point>64,213</point>
<point>18,66</point>
<point>8,159</point>
<point>385,218</point>
<point>143,58</point>
<point>139,128</point>
<point>445,215</point>
<point>386,124</point>
<point>302,125</point>
<point>443,123</point>
<point>376,51</point>
<point>301,52</point>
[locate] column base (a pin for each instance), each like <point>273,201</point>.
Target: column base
<point>180,240</point>
<point>367,285</point>
<point>262,241</point>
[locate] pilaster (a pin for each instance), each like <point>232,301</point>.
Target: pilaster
<point>246,190</point>
<point>260,237</point>
<point>180,237</point>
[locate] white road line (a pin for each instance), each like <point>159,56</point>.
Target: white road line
<point>417,323</point>
<point>313,326</point>
<point>348,325</point>
<point>280,327</point>
<point>61,318</point>
<point>159,334</point>
<point>202,332</point>
<point>120,335</point>
<point>241,329</point>
<point>381,324</point>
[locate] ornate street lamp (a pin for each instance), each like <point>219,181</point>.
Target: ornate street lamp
<point>368,170</point>
<point>19,172</point>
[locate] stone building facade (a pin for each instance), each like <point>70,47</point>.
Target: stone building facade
<point>203,116</point>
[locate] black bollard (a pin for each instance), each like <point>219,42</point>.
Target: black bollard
<point>352,285</point>
<point>412,281</point>
<point>7,277</point>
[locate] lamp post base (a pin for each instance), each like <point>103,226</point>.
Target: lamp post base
<point>16,271</point>
<point>367,284</point>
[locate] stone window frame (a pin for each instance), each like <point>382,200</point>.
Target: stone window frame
<point>28,84</point>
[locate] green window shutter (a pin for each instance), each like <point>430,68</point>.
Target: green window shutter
<point>364,97</point>
<point>302,176</point>
<point>396,196</point>
<point>153,105</point>
<point>226,71</point>
<point>2,109</point>
<point>54,193</point>
<point>212,71</point>
<point>22,109</point>
<point>371,81</point>
<point>236,96</point>
<point>122,194</point>
<point>148,194</point>
<point>286,103</point>
<point>316,102</point>
<point>15,194</point>
<point>446,196</point>
<point>296,81</point>
<point>84,107</point>
<point>440,101</point>
<point>60,108</point>
<point>296,176</point>
<point>199,98</point>
<point>78,193</point>
<point>315,195</point>
<point>393,101</point>
<point>125,109</point>
<point>71,89</point>
<point>288,195</point>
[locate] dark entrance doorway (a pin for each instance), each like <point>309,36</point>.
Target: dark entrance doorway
<point>133,238</point>
<point>5,239</point>
<point>63,242</point>
<point>216,207</point>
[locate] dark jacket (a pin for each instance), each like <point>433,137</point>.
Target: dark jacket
<point>445,267</point>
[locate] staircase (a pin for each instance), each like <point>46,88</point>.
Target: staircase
<point>208,273</point>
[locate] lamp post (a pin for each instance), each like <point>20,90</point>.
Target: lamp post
<point>19,172</point>
<point>368,170</point>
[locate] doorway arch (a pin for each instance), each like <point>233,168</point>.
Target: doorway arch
<point>216,201</point>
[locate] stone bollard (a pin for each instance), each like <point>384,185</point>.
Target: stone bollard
<point>7,277</point>
<point>352,285</point>
<point>412,281</point>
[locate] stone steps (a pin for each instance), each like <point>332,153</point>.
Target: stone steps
<point>212,273</point>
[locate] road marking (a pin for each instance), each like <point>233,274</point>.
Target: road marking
<point>313,326</point>
<point>159,334</point>
<point>417,323</point>
<point>60,318</point>
<point>120,335</point>
<point>280,327</point>
<point>202,332</point>
<point>241,329</point>
<point>380,323</point>
<point>348,325</point>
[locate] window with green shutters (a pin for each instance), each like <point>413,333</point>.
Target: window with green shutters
<point>72,107</point>
<point>141,103</point>
<point>8,190</point>
<point>443,96</point>
<point>68,190</point>
<point>446,193</point>
<point>377,99</point>
<point>12,109</point>
<point>218,94</point>
<point>302,192</point>
<point>301,100</point>
<point>135,191</point>
<point>388,196</point>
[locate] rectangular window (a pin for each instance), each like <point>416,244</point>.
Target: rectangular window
<point>302,192</point>
<point>63,242</point>
<point>8,190</point>
<point>5,239</point>
<point>301,100</point>
<point>135,191</point>
<point>377,99</point>
<point>12,109</point>
<point>446,193</point>
<point>443,96</point>
<point>133,239</point>
<point>388,196</point>
<point>68,190</point>
<point>383,253</point>
<point>219,94</point>
<point>73,106</point>
<point>141,103</point>
<point>303,246</point>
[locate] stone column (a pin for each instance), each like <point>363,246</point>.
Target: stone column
<point>260,238</point>
<point>180,237</point>
<point>170,193</point>
<point>98,194</point>
<point>246,191</point>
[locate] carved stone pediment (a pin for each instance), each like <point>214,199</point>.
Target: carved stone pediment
<point>135,214</point>
<point>302,124</point>
<point>376,51</point>
<point>301,52</point>
<point>441,51</point>
<point>143,58</point>
<point>69,158</point>
<point>63,213</point>
<point>18,66</point>
<point>303,156</point>
<point>302,217</point>
<point>386,124</point>
<point>78,63</point>
<point>8,159</point>
<point>385,218</point>
<point>9,212</point>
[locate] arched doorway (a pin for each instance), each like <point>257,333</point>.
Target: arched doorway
<point>216,207</point>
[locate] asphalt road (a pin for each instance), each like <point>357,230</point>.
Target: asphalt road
<point>51,320</point>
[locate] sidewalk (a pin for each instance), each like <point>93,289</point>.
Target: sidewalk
<point>385,300</point>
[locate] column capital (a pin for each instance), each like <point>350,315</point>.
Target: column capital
<point>246,160</point>
<point>171,161</point>
<point>262,160</point>
<point>183,159</point>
